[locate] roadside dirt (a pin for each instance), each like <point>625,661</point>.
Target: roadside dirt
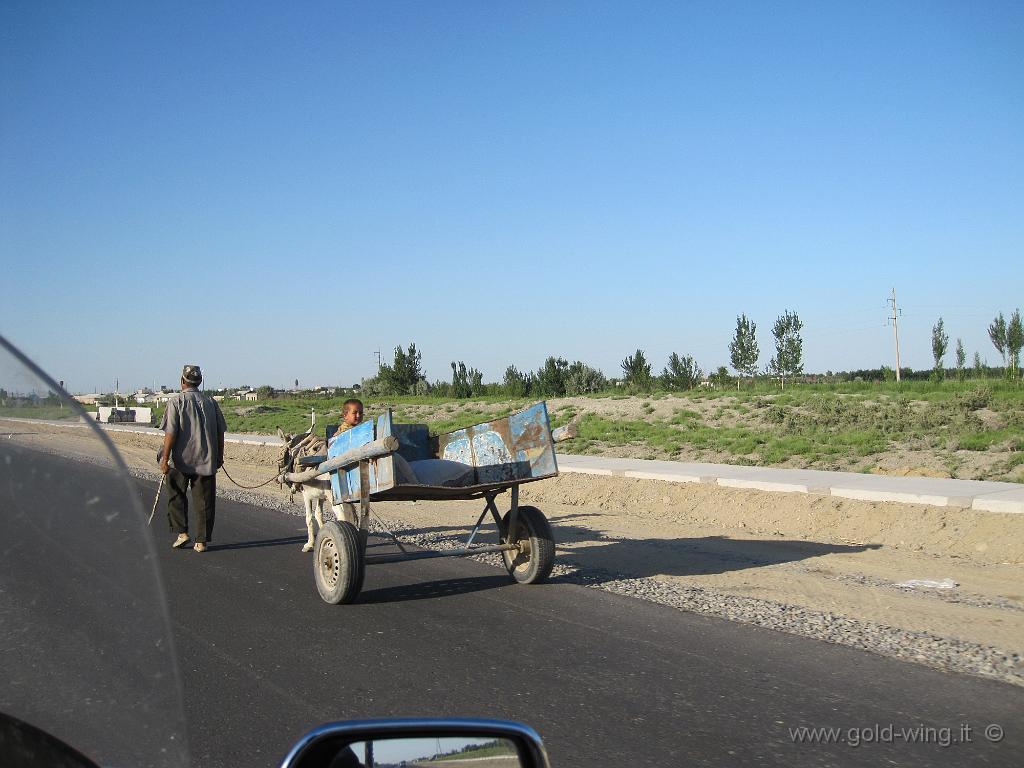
<point>826,554</point>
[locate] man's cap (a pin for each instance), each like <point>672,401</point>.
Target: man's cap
<point>192,374</point>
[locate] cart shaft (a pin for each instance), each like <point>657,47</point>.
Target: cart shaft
<point>462,552</point>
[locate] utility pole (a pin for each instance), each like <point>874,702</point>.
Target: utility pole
<point>896,332</point>
<point>377,353</point>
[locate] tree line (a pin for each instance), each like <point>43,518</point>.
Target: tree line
<point>1006,337</point>
<point>557,377</point>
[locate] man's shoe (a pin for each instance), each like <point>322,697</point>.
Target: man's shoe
<point>200,546</point>
<point>181,541</point>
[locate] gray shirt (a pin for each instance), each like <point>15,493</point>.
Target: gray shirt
<point>197,423</point>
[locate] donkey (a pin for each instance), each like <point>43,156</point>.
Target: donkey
<point>316,493</point>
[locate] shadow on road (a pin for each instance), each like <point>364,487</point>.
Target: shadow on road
<point>603,558</point>
<point>262,543</point>
<point>428,590</point>
<point>691,556</point>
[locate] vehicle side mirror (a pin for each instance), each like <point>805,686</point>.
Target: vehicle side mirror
<point>446,743</point>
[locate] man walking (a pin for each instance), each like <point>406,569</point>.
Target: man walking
<point>193,451</point>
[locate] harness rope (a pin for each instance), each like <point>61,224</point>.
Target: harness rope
<point>247,487</point>
<point>305,447</point>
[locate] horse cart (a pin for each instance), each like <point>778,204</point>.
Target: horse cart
<point>380,460</point>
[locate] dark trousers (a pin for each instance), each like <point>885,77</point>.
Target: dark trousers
<point>204,496</point>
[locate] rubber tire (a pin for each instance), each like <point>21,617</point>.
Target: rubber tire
<point>532,526</point>
<point>337,554</point>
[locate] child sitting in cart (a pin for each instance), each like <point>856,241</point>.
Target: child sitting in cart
<point>351,416</point>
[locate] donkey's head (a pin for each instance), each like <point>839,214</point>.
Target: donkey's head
<point>289,449</point>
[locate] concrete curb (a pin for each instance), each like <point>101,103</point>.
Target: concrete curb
<point>976,495</point>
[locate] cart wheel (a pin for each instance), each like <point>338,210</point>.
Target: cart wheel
<point>338,566</point>
<point>536,555</point>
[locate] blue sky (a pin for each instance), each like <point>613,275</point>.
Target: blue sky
<point>276,191</point>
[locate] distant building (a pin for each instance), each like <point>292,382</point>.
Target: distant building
<point>143,396</point>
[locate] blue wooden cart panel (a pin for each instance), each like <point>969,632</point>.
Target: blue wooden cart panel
<point>503,452</point>
<point>346,484</point>
<point>517,447</point>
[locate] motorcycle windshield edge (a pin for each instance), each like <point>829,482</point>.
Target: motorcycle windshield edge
<point>85,647</point>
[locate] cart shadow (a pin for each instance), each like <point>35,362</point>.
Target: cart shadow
<point>710,555</point>
<point>290,540</point>
<point>598,558</point>
<point>601,558</point>
<point>430,590</point>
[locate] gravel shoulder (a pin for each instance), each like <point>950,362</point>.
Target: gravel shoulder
<point>822,567</point>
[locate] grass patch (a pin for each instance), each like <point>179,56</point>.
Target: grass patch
<point>983,441</point>
<point>459,421</point>
<point>48,412</point>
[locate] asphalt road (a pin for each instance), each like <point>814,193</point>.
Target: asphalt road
<point>605,679</point>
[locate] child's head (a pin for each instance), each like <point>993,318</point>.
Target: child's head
<point>352,412</point>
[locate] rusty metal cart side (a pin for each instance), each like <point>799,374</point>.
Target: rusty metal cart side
<point>378,460</point>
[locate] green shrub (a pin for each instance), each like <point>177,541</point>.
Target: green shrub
<point>973,399</point>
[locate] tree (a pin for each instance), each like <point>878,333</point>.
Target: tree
<point>581,379</point>
<point>515,383</point>
<point>549,380</point>
<point>961,359</point>
<point>743,350</point>
<point>789,346</point>
<point>977,365</point>
<point>265,392</point>
<point>636,371</point>
<point>940,343</point>
<point>997,332</point>
<point>476,383</point>
<point>404,374</point>
<point>371,387</point>
<point>1014,342</point>
<point>460,380</point>
<point>721,377</point>
<point>681,373</point>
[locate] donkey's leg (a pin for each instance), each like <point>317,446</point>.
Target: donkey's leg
<point>321,502</point>
<point>308,500</point>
